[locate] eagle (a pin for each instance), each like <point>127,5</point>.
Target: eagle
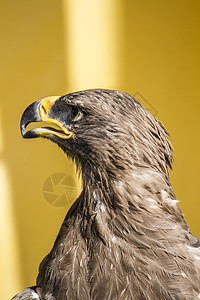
<point>125,236</point>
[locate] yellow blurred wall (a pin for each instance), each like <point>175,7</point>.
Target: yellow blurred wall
<point>51,47</point>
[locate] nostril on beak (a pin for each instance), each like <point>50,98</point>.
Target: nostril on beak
<point>43,109</point>
<point>45,106</point>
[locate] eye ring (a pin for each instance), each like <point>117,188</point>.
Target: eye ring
<point>75,113</point>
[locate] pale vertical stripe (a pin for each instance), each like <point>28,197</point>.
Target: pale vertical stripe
<point>92,53</point>
<point>10,275</point>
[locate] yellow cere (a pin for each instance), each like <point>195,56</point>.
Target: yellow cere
<point>45,106</point>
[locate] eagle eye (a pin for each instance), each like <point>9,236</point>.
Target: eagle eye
<point>75,113</point>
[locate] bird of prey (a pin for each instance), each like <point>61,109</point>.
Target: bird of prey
<point>125,237</point>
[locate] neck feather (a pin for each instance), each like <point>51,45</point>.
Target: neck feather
<point>111,206</point>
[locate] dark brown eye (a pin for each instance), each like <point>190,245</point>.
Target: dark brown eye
<point>75,112</point>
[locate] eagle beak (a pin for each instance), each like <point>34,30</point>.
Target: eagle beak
<point>39,112</point>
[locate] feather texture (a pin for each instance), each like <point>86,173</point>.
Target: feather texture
<point>125,237</point>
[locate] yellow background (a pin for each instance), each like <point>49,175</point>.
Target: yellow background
<point>51,47</point>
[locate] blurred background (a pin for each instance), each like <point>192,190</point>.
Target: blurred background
<point>150,49</point>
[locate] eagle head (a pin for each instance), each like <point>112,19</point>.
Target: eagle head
<point>105,131</point>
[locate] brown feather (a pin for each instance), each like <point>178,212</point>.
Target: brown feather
<point>125,237</point>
